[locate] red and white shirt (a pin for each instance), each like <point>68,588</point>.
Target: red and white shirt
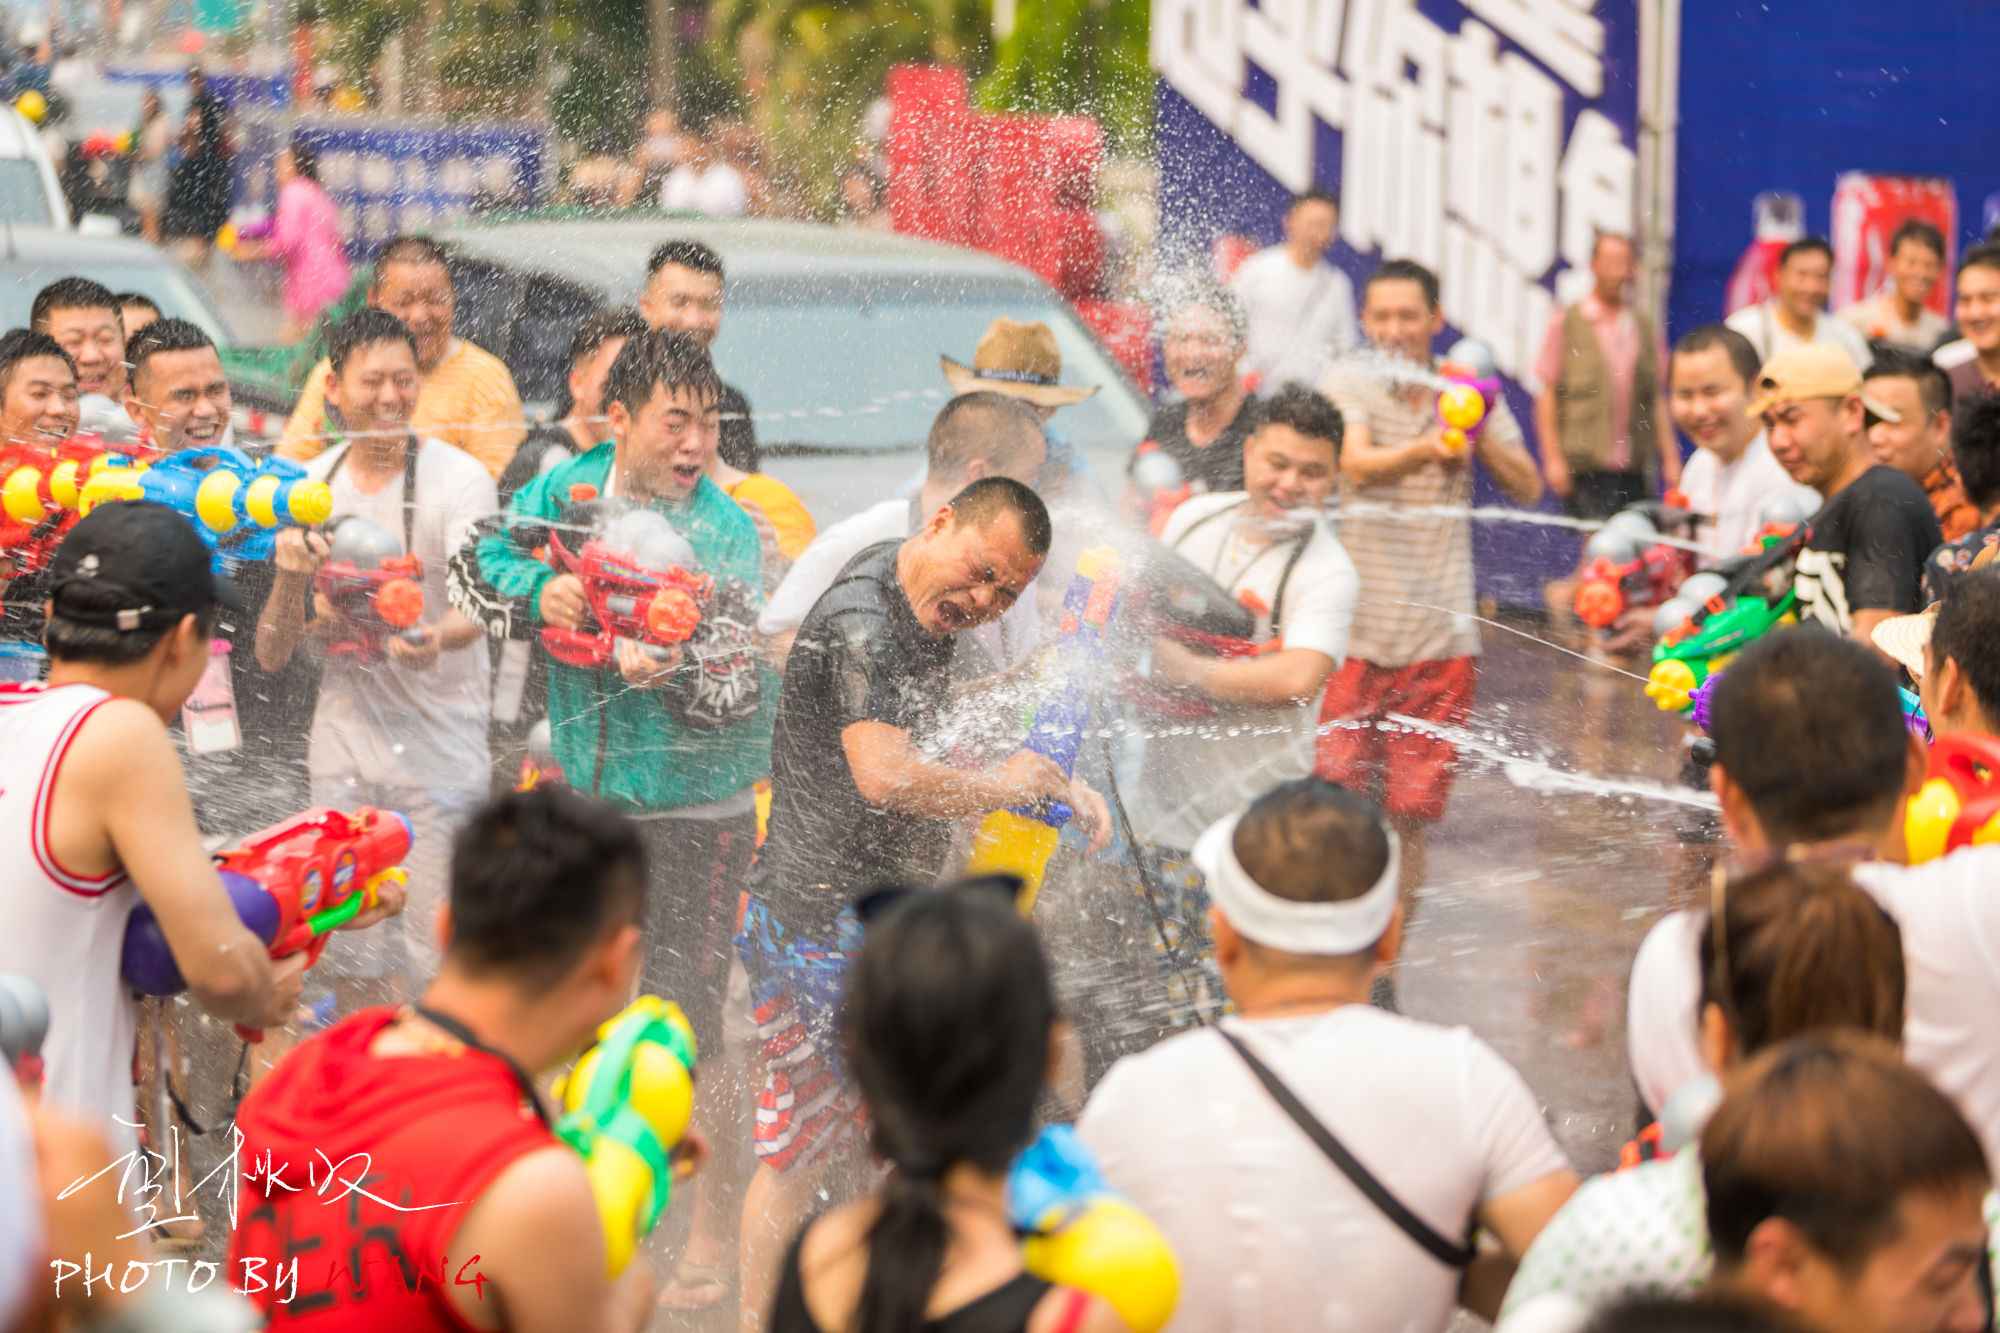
<point>63,930</point>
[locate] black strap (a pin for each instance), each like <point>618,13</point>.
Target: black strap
<point>411,449</point>
<point>1445,1252</point>
<point>1299,545</point>
<point>471,1039</point>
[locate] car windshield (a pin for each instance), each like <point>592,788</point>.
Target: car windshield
<point>856,366</point>
<point>169,289</point>
<point>23,198</point>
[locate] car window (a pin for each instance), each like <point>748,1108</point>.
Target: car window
<point>857,366</point>
<point>24,197</point>
<point>538,352</point>
<point>169,288</point>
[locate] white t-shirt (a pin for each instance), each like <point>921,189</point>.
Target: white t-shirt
<point>380,721</point>
<point>1876,317</point>
<point>1300,319</point>
<point>1006,641</point>
<point>717,192</point>
<point>1269,1233</point>
<point>1761,325</point>
<point>1196,772</point>
<point>1734,494</point>
<point>1662,1009</point>
<point>1949,911</point>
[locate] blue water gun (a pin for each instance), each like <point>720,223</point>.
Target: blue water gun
<point>1077,1231</point>
<point>1019,840</point>
<point>236,503</point>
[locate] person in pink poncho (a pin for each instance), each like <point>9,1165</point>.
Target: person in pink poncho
<point>304,236</point>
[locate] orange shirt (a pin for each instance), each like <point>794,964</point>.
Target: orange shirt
<point>468,401</point>
<point>1955,513</point>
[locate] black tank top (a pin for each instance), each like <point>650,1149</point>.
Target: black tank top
<point>1005,1309</point>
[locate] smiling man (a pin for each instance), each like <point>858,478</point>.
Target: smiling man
<point>1864,561</point>
<point>178,392</point>
<point>87,320</point>
<point>857,802</point>
<point>1732,476</point>
<point>38,402</point>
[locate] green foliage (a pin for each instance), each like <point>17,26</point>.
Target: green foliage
<point>1077,57</point>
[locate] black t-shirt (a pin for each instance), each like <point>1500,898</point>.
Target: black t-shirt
<point>861,655</point>
<point>1217,466</point>
<point>1867,550</point>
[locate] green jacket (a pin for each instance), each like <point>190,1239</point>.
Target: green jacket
<point>611,739</point>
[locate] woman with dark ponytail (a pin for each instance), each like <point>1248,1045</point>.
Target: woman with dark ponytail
<point>949,1025</point>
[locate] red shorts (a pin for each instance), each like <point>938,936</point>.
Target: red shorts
<point>1360,748</point>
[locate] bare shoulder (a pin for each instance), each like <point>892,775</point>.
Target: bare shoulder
<point>540,1196</point>
<point>118,735</point>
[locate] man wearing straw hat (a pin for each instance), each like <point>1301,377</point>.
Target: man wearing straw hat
<point>1022,361</point>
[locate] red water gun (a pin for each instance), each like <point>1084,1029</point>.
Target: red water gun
<point>655,608</point>
<point>41,490</point>
<point>1959,804</point>
<point>375,589</point>
<point>291,884</point>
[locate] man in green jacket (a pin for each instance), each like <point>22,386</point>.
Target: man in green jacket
<point>689,788</point>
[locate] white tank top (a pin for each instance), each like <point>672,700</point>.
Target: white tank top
<point>64,930</point>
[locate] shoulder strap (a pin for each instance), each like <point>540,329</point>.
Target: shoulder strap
<point>1209,517</point>
<point>1284,581</point>
<point>1445,1252</point>
<point>471,1039</point>
<point>410,451</point>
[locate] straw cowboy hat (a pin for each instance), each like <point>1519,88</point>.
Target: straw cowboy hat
<point>1019,360</point>
<point>1905,638</point>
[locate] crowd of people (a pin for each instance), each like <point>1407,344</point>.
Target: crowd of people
<point>765,817</point>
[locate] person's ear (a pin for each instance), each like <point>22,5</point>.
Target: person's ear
<point>1437,320</point>
<point>442,928</point>
<point>186,640</point>
<point>575,382</point>
<point>1718,1043</point>
<point>1229,950</point>
<point>618,419</point>
<point>1738,819</point>
<point>1775,1263</point>
<point>939,521</point>
<point>1950,683</point>
<point>1061,1035</point>
<point>976,469</point>
<point>622,956</point>
<point>1390,946</point>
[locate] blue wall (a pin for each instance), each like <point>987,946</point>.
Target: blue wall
<point>1788,94</point>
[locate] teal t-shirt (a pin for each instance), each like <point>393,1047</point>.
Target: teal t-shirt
<point>615,741</point>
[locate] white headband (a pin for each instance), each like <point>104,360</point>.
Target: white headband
<point>1321,929</point>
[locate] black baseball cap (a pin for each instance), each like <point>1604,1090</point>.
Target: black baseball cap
<point>147,556</point>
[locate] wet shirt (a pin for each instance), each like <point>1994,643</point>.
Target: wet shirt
<point>1867,550</point>
<point>860,656</point>
<point>1951,561</point>
<point>1215,466</point>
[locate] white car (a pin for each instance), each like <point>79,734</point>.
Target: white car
<point>30,193</point>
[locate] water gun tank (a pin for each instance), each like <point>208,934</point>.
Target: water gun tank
<point>358,542</point>
<point>646,538</point>
<point>1475,356</point>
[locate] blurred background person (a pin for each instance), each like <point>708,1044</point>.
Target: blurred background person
<point>305,238</point>
<point>1796,311</point>
<point>198,184</point>
<point>1919,445</point>
<point>703,183</point>
<point>1301,308</point>
<point>152,137</point>
<point>1897,314</point>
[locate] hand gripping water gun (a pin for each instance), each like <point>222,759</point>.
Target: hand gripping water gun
<point>1628,566</point>
<point>374,589</point>
<point>1959,803</point>
<point>1020,840</point>
<point>1076,1231</point>
<point>635,580</point>
<point>235,503</point>
<point>1723,623</point>
<point>291,884</point>
<point>40,494</point>
<point>1471,381</point>
<point>626,1106</point>
<point>1160,483</point>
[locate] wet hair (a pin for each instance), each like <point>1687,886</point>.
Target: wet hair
<point>1807,779</point>
<point>983,425</point>
<point>1315,195</point>
<point>1967,631</point>
<point>1975,446</point>
<point>661,359</point>
<point>1404,270</point>
<point>989,497</point>
<point>946,1023</point>
<point>18,345</point>
<point>405,250</point>
<point>305,158</point>
<point>685,254</point>
<point>1933,385</point>
<point>1920,231</point>
<point>1312,841</point>
<point>537,878</point>
<point>1830,1131</point>
<point>1307,412</point>
<point>1201,294</point>
<point>365,328</point>
<point>1984,255</point>
<point>71,294</point>
<point>1803,948</point>
<point>70,641</point>
<point>600,327</point>
<point>127,300</point>
<point>1706,1312</point>
<point>163,335</point>
<point>1805,245</point>
<point>1741,351</point>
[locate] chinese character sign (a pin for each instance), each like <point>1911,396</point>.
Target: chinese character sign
<point>1489,141</point>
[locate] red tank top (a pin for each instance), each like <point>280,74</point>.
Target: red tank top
<point>358,1170</point>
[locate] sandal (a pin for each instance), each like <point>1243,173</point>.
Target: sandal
<point>698,1286</point>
